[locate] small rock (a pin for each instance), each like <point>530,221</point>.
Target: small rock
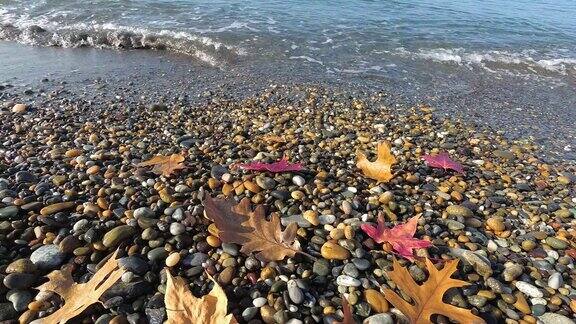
<point>19,108</point>
<point>379,319</point>
<point>459,211</point>
<point>333,251</point>
<point>294,292</point>
<point>47,257</point>
<point>347,281</point>
<point>117,235</point>
<point>54,208</point>
<point>298,180</point>
<point>555,281</point>
<point>529,289</point>
<point>553,318</point>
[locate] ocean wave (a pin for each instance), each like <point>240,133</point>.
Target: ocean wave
<point>44,32</point>
<point>526,60</point>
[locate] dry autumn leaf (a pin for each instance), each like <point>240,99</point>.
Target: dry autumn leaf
<point>428,296</point>
<point>237,223</point>
<point>165,165</point>
<point>348,318</point>
<point>381,169</point>
<point>78,297</point>
<point>183,307</point>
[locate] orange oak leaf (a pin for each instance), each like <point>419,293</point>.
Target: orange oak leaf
<point>381,169</point>
<point>165,165</point>
<point>237,223</point>
<point>78,297</point>
<point>401,236</point>
<point>427,298</point>
<point>183,307</point>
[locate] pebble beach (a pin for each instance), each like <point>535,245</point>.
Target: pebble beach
<point>71,194</point>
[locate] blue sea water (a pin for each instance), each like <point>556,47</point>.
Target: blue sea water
<point>521,37</point>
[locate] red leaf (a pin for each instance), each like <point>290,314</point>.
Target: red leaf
<point>276,167</point>
<point>401,236</point>
<point>443,161</point>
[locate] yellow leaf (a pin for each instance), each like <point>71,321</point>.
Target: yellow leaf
<point>165,165</point>
<point>428,296</point>
<point>78,297</point>
<point>381,169</point>
<point>183,307</point>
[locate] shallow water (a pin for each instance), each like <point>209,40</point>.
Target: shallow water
<point>525,37</point>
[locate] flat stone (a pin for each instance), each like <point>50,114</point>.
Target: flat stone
<point>19,299</point>
<point>47,257</point>
<point>529,289</point>
<point>9,212</point>
<point>19,108</point>
<point>333,251</point>
<point>134,264</point>
<point>321,267</point>
<point>21,266</point>
<point>144,212</point>
<point>379,319</point>
<point>552,318</point>
<point>19,280</point>
<point>347,281</point>
<point>54,208</point>
<point>555,243</point>
<point>376,300</point>
<point>195,259</point>
<point>555,281</point>
<point>294,292</point>
<point>480,263</point>
<point>118,234</point>
<point>459,210</point>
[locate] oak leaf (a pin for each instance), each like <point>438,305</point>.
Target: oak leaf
<point>381,169</point>
<point>401,236</point>
<point>443,161</point>
<point>165,165</point>
<point>78,297</point>
<point>347,318</point>
<point>237,223</point>
<point>183,307</point>
<point>427,298</point>
<point>276,167</point>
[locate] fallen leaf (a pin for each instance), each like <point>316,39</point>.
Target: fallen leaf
<point>381,169</point>
<point>78,297</point>
<point>443,161</point>
<point>348,318</point>
<point>276,167</point>
<point>401,236</point>
<point>427,298</point>
<point>237,223</point>
<point>165,165</point>
<point>183,307</point>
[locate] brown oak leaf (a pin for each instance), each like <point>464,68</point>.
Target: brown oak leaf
<point>165,165</point>
<point>237,223</point>
<point>348,318</point>
<point>381,169</point>
<point>77,297</point>
<point>428,296</point>
<point>183,307</point>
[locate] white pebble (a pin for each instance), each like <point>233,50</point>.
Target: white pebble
<point>298,180</point>
<point>259,302</point>
<point>529,289</point>
<point>555,281</point>
<point>344,280</point>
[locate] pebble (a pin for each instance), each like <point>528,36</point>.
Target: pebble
<point>21,266</point>
<point>552,318</point>
<point>177,229</point>
<point>555,281</point>
<point>347,281</point>
<point>379,319</point>
<point>376,300</point>
<point>529,289</point>
<point>47,257</point>
<point>294,292</point>
<point>298,180</point>
<point>556,243</point>
<point>117,235</point>
<point>8,212</point>
<point>259,302</point>
<point>173,259</point>
<point>333,251</point>
<point>459,211</point>
<point>54,208</point>
<point>19,299</point>
<point>19,280</point>
<point>19,108</point>
<point>321,267</point>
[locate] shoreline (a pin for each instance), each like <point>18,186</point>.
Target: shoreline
<point>80,143</point>
<point>518,108</point>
